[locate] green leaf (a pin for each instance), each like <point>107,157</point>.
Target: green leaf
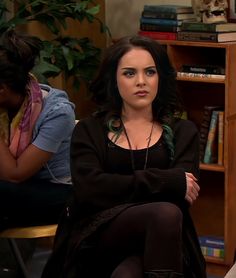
<point>94,10</point>
<point>68,57</point>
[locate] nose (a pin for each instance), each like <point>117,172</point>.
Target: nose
<point>141,80</point>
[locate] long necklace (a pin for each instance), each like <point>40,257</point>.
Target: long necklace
<point>131,150</point>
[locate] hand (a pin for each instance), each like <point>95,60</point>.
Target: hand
<point>192,188</point>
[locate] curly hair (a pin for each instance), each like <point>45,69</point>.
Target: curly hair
<point>165,107</point>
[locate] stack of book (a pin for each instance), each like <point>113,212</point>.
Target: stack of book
<point>211,135</point>
<point>164,21</point>
<point>212,246</point>
<point>202,71</point>
<point>207,32</point>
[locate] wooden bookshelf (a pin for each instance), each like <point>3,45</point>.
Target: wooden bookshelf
<point>214,213</point>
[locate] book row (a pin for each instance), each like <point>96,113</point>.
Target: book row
<point>178,22</point>
<point>212,135</point>
<point>212,246</point>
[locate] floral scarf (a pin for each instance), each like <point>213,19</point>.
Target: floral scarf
<point>19,135</point>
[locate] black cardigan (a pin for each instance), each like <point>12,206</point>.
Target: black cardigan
<point>91,206</point>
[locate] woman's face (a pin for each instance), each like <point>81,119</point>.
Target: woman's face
<point>137,79</point>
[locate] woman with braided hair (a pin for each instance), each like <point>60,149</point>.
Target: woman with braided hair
<point>135,167</point>
<point>36,123</point>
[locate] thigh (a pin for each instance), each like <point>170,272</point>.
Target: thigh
<point>32,202</point>
<point>127,231</point>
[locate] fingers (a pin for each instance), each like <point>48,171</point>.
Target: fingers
<point>192,190</point>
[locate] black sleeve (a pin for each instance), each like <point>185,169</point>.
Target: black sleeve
<point>97,190</point>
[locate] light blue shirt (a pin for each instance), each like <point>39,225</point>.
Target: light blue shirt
<point>52,133</point>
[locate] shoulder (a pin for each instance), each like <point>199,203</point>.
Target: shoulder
<point>56,100</point>
<point>56,104</point>
<point>184,126</point>
<point>91,127</point>
<point>57,113</point>
<point>92,123</point>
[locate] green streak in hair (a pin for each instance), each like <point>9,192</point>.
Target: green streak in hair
<point>169,139</point>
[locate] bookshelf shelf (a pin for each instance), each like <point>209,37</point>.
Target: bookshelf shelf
<point>212,167</point>
<point>214,213</point>
<point>214,260</point>
<point>201,79</point>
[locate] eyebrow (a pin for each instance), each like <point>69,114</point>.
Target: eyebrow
<point>149,67</point>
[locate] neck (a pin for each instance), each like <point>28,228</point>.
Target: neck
<point>136,116</point>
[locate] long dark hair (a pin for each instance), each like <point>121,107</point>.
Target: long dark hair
<point>166,106</point>
<point>105,92</point>
<point>18,53</point>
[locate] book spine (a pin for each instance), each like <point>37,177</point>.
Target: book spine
<point>159,35</point>
<point>203,69</point>
<point>160,21</point>
<point>221,138</point>
<point>180,74</point>
<point>209,156</point>
<point>156,14</point>
<point>213,252</point>
<point>167,8</point>
<point>198,27</point>
<point>197,36</point>
<point>212,242</point>
<point>204,128</point>
<point>159,28</point>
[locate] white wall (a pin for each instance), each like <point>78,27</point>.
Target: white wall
<point>122,16</point>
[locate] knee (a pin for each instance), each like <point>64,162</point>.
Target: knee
<point>131,267</point>
<point>167,216</point>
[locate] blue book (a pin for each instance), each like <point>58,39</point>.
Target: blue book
<point>160,21</point>
<point>212,241</point>
<point>210,155</point>
<point>169,8</point>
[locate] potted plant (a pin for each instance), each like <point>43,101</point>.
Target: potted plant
<point>73,57</point>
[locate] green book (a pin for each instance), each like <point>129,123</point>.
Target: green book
<point>208,27</point>
<point>169,8</point>
<point>211,150</point>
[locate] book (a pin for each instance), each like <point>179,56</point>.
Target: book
<point>212,246</point>
<point>168,15</point>
<point>181,74</point>
<point>169,8</point>
<point>206,27</point>
<point>211,241</point>
<point>159,35</point>
<point>207,69</point>
<point>207,36</point>
<point>159,28</point>
<point>211,155</point>
<point>213,252</point>
<point>221,138</point>
<point>160,21</point>
<point>204,128</point>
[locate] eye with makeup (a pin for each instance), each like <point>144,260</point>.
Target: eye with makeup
<point>129,72</point>
<point>151,71</point>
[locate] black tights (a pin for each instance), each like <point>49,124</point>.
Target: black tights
<point>143,238</point>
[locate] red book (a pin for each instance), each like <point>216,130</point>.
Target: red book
<point>159,35</point>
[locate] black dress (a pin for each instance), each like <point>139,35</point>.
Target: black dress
<point>99,166</point>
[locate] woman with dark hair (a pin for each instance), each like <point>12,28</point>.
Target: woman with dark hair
<point>36,125</point>
<point>134,166</point>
